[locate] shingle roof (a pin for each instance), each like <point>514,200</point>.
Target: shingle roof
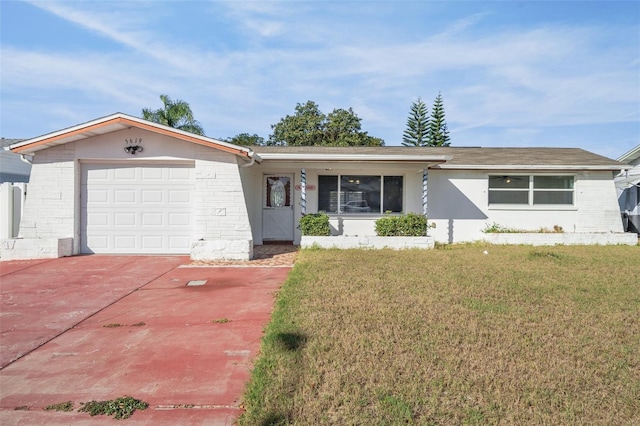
<point>6,142</point>
<point>468,157</point>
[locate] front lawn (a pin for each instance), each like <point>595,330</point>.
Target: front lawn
<point>521,335</point>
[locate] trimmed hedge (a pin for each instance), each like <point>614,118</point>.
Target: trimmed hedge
<point>315,224</point>
<point>406,225</point>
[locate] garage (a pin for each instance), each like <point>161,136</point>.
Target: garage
<point>137,208</point>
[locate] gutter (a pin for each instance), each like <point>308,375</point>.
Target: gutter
<point>254,157</point>
<point>24,158</point>
<point>354,157</point>
<point>519,167</point>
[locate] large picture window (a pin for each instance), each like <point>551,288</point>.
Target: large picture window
<point>531,190</point>
<point>360,194</point>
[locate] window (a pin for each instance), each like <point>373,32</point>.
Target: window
<point>531,190</point>
<point>359,194</point>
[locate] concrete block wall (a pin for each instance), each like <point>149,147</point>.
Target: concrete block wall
<point>598,209</point>
<point>458,206</point>
<point>220,209</point>
<point>368,242</point>
<point>41,248</point>
<point>49,210</point>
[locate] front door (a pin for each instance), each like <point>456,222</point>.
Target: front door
<point>277,208</point>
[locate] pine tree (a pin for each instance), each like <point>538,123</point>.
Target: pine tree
<point>417,125</point>
<point>438,131</point>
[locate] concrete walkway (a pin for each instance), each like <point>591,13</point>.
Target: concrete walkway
<point>100,327</point>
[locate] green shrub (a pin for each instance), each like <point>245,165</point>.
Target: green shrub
<point>316,224</point>
<point>406,225</point>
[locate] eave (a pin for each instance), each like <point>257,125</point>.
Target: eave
<point>368,158</point>
<point>118,122</point>
<point>533,167</point>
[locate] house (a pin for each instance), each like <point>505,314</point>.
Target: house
<point>628,189</point>
<point>12,167</point>
<point>120,184</point>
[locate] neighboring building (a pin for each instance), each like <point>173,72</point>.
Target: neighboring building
<point>628,188</point>
<point>120,184</point>
<point>12,167</point>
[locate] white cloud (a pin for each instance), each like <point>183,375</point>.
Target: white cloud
<point>284,53</point>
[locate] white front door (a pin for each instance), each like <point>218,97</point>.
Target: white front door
<point>277,208</point>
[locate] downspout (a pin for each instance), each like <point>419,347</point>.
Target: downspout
<point>252,156</point>
<point>23,157</point>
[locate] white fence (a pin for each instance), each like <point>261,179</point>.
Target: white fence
<point>12,196</point>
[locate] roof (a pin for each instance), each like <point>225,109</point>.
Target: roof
<point>115,122</point>
<point>472,158</point>
<point>631,156</point>
<point>6,142</point>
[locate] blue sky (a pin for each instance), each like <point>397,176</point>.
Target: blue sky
<point>540,73</point>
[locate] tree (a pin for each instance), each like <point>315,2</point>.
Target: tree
<point>305,128</point>
<point>309,126</point>
<point>438,131</point>
<point>343,128</point>
<point>174,114</point>
<point>417,130</point>
<point>246,139</point>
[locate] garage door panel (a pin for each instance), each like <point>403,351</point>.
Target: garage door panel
<point>179,243</point>
<point>124,243</point>
<point>98,219</point>
<point>98,244</point>
<point>152,196</point>
<point>152,242</point>
<point>137,209</point>
<point>152,175</point>
<point>124,219</point>
<point>124,196</point>
<point>124,174</point>
<point>97,175</point>
<point>179,196</point>
<point>179,175</point>
<point>152,219</point>
<point>98,197</point>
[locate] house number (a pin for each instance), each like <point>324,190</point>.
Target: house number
<point>133,145</point>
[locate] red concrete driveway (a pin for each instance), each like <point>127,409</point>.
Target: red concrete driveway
<point>100,327</point>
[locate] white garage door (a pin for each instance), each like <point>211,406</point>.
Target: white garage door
<point>144,209</point>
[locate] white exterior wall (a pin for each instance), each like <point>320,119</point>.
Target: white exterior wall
<point>458,206</point>
<point>220,209</point>
<point>51,202</point>
<point>52,208</point>
<point>341,224</point>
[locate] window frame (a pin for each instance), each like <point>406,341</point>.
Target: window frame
<point>531,191</point>
<point>339,190</point>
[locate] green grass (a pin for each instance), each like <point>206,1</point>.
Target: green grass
<point>521,335</point>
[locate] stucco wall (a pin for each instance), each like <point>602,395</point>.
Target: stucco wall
<point>344,224</point>
<point>457,202</point>
<point>458,205</point>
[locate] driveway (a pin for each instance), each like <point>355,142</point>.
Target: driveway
<point>100,327</point>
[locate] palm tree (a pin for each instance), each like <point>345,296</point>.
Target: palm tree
<point>174,114</point>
